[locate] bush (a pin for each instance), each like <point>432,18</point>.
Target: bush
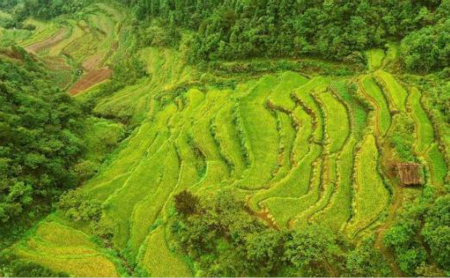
<point>80,206</point>
<point>12,266</point>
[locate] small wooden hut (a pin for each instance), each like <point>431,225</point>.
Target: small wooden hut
<point>410,174</point>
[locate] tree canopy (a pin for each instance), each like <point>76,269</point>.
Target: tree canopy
<point>40,136</point>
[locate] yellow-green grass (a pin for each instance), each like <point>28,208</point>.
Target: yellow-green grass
<point>75,34</point>
<point>300,187</point>
<point>146,212</point>
<point>375,58</point>
<point>424,128</point>
<point>287,139</point>
<point>260,131</point>
<point>83,47</point>
<point>437,164</point>
<point>203,140</point>
<point>226,134</point>
<point>297,206</point>
<point>114,11</point>
<point>4,15</point>
<point>43,34</point>
<point>266,136</point>
<point>304,134</point>
<point>371,195</point>
<point>394,90</point>
<point>326,190</point>
<point>65,249</point>
<point>132,101</point>
<point>392,53</point>
<point>103,26</point>
<point>144,176</point>
<point>375,95</point>
<point>132,151</point>
<point>296,183</point>
<point>202,127</point>
<point>289,186</point>
<point>337,125</point>
<point>303,96</point>
<point>359,114</point>
<point>59,234</point>
<point>340,209</point>
<point>188,175</point>
<point>95,265</point>
<point>159,261</point>
<point>14,35</point>
<point>281,96</point>
<point>100,136</point>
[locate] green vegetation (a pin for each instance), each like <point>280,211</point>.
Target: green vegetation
<point>333,30</point>
<point>367,183</point>
<point>40,135</point>
<point>383,116</point>
<point>224,138</point>
<point>394,92</point>
<point>411,253</point>
<point>425,132</point>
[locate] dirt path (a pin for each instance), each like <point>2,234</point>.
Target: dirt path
<point>396,204</point>
<point>53,40</point>
<point>87,81</point>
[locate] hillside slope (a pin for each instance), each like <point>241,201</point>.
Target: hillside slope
<point>304,146</point>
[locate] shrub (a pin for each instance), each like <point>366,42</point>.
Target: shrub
<point>80,206</point>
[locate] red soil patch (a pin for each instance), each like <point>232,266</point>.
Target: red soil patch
<point>87,81</point>
<point>55,39</point>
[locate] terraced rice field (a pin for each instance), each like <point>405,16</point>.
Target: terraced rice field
<point>86,46</point>
<point>303,150</point>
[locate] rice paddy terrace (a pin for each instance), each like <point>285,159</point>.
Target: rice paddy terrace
<point>303,148</point>
<point>77,49</point>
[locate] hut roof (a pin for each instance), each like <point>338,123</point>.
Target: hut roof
<point>409,173</point>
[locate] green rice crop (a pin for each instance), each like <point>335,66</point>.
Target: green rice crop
<point>337,126</point>
<point>394,90</point>
<point>371,195</point>
<point>437,165</point>
<point>373,92</point>
<point>424,128</point>
<point>159,261</point>
<point>375,58</point>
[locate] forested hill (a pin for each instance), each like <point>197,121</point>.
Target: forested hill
<point>40,130</point>
<point>224,138</point>
<point>336,30</point>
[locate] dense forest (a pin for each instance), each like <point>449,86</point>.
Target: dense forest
<point>224,138</point>
<point>334,30</point>
<point>40,132</point>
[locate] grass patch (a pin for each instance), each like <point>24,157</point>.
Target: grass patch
<point>438,167</point>
<point>424,128</point>
<point>337,125</point>
<point>394,91</point>
<point>159,261</point>
<point>375,58</point>
<point>375,95</point>
<point>371,195</point>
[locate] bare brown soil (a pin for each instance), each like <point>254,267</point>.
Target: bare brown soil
<point>55,39</point>
<point>90,79</point>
